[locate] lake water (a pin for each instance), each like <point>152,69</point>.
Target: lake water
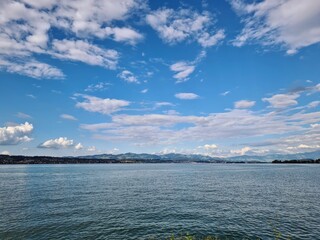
<point>153,201</point>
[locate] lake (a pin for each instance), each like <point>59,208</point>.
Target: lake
<point>154,201</point>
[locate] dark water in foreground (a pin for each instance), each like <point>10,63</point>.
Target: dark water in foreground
<point>143,201</point>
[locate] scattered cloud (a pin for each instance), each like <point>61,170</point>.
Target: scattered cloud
<point>163,104</point>
<point>183,70</point>
<point>282,100</point>
<point>100,105</point>
<point>25,28</point>
<point>241,151</point>
<point>244,104</point>
<point>58,143</point>
<point>32,68</point>
<point>13,135</point>
<point>225,93</point>
<point>91,149</point>
<point>101,86</point>
<point>209,147</point>
<point>292,24</point>
<point>124,34</point>
<point>79,146</point>
<point>186,96</point>
<point>144,90</point>
<point>128,76</point>
<point>207,40</point>
<point>68,117</point>
<point>166,129</point>
<point>175,26</point>
<point>23,115</point>
<point>31,96</point>
<point>79,50</point>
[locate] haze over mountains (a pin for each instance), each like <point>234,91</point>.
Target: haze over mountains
<point>198,157</point>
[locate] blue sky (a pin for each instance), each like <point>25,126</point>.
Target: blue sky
<point>220,78</point>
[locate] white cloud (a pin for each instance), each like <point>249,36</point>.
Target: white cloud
<point>128,76</point>
<point>225,93</point>
<point>79,146</point>
<point>95,17</point>
<point>244,104</point>
<point>186,96</point>
<point>124,34</point>
<point>164,129</point>
<point>184,24</point>
<point>293,24</point>
<point>32,69</point>
<point>13,135</point>
<point>31,96</point>
<point>144,90</point>
<point>91,149</point>
<point>68,117</point>
<point>58,143</point>
<point>83,51</point>
<point>241,151</point>
<point>209,147</point>
<point>101,86</point>
<point>313,104</point>
<point>183,70</point>
<point>25,27</point>
<point>163,104</point>
<point>100,105</point>
<point>23,115</point>
<point>207,40</point>
<point>5,153</point>
<point>282,100</point>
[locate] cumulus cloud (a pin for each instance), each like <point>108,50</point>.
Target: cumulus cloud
<point>282,100</point>
<point>293,24</point>
<point>58,143</point>
<point>186,96</point>
<point>128,76</point>
<point>124,34</point>
<point>175,26</point>
<point>95,18</point>
<point>13,135</point>
<point>244,104</point>
<point>79,146</point>
<point>183,70</point>
<point>100,105</point>
<point>25,28</point>
<point>68,117</point>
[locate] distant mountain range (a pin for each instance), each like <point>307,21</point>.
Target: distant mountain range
<point>203,158</point>
<point>159,158</point>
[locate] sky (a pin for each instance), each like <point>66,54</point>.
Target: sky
<point>215,77</point>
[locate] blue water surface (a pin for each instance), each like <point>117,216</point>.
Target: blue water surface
<point>154,201</point>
